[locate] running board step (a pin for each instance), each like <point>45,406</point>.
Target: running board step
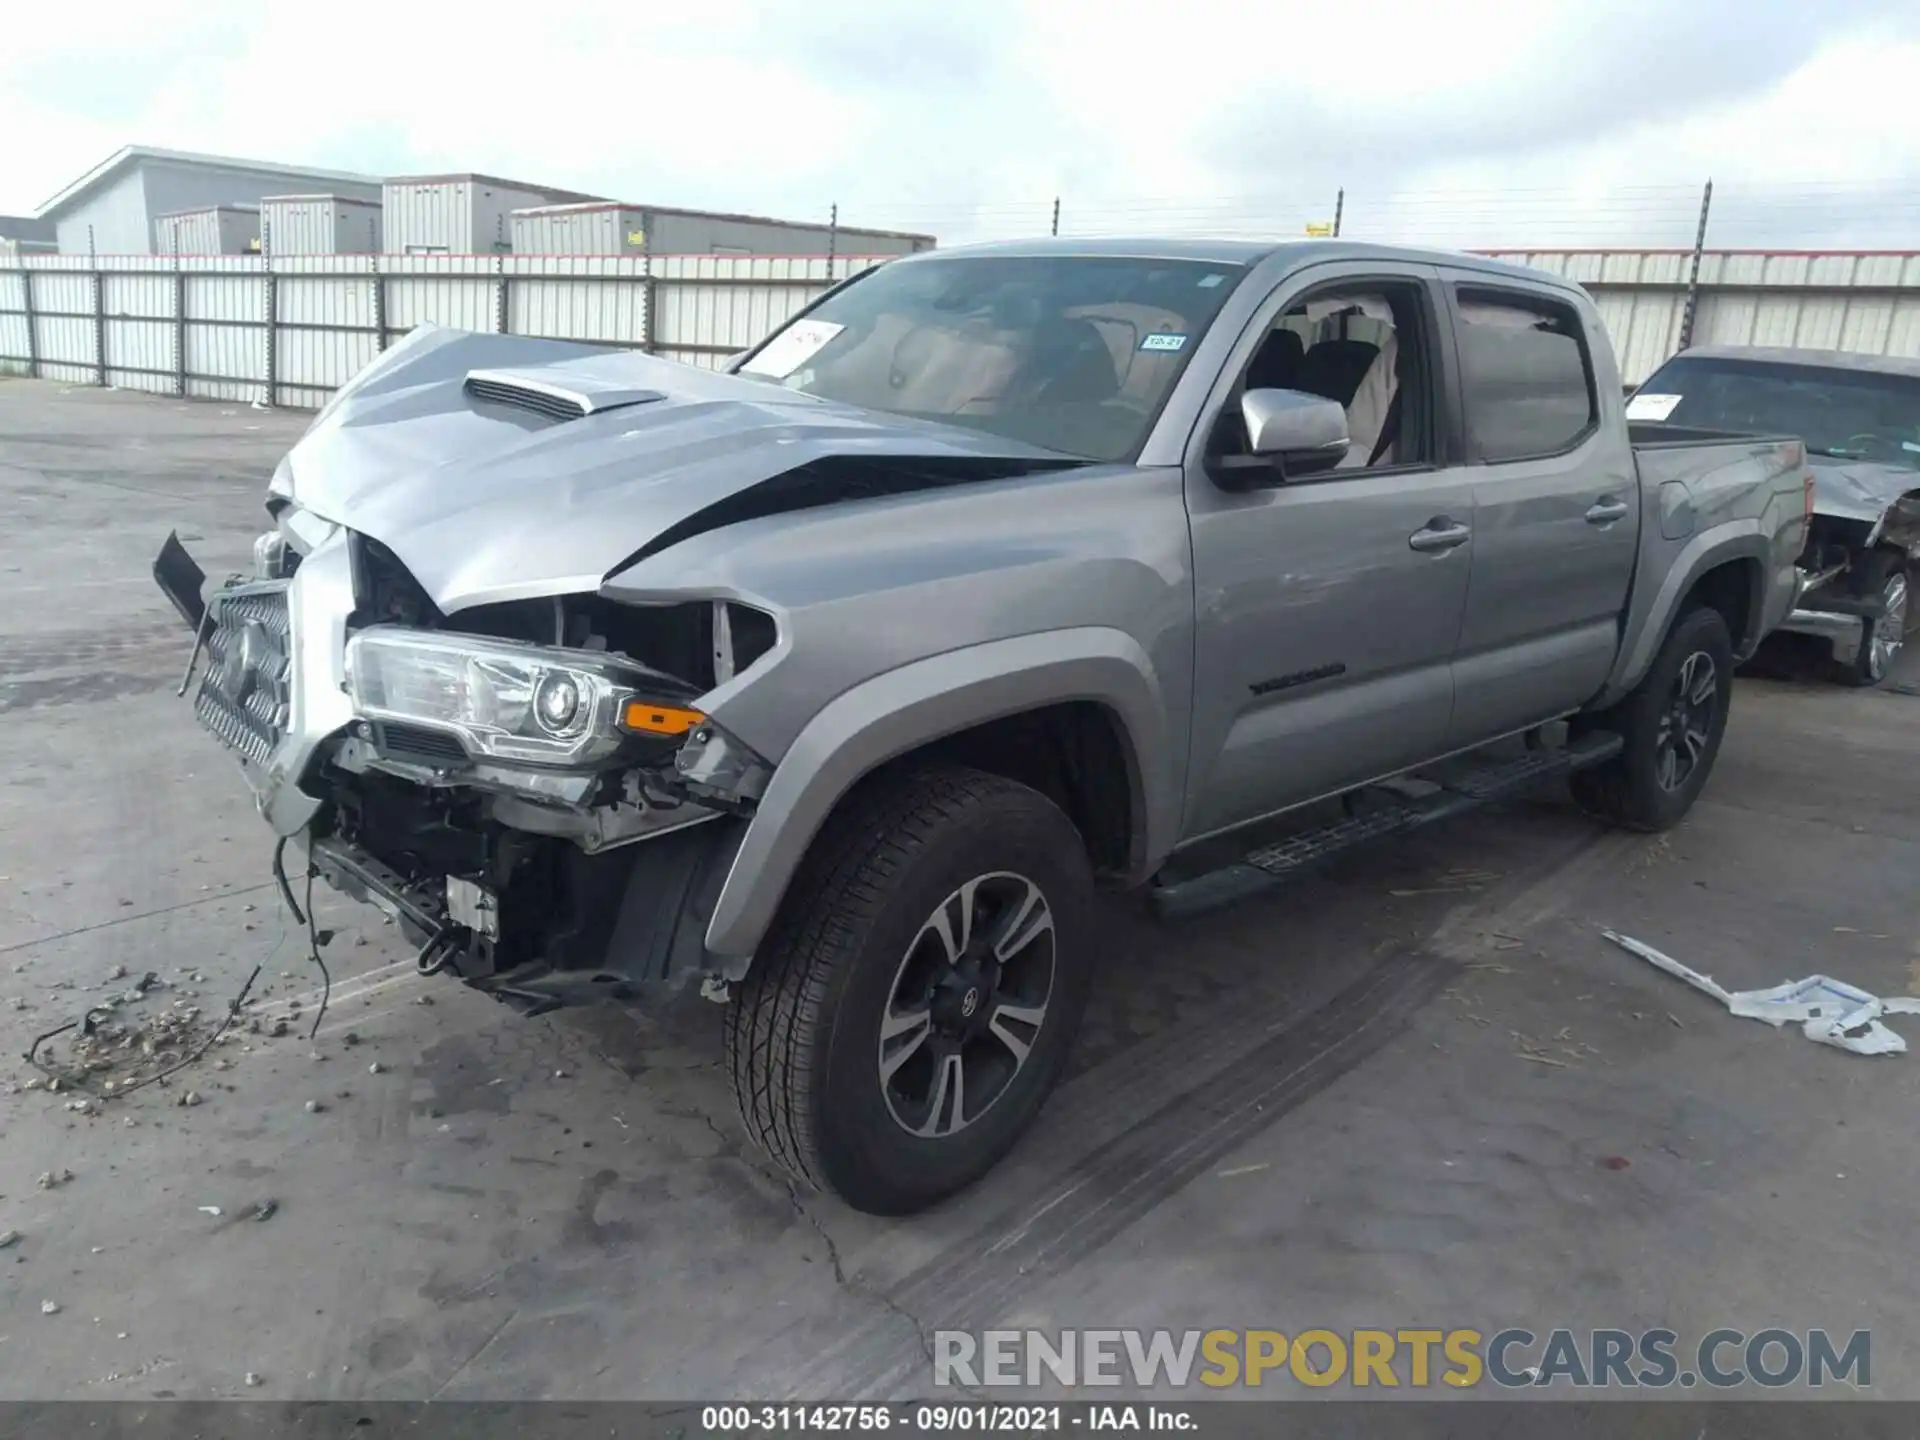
<point>1272,865</point>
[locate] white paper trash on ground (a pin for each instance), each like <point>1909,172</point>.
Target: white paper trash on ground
<point>1827,1010</point>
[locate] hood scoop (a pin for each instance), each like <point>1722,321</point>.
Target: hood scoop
<point>545,396</point>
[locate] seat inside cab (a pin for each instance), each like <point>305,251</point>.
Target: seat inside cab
<point>1343,348</point>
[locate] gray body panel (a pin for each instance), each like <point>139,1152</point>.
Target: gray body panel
<point>903,708</point>
<point>1704,505</point>
<point>1316,576</point>
<point>1145,588</point>
<point>1542,625</point>
<point>860,590</point>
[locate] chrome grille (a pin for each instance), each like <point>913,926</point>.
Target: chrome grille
<point>245,691</point>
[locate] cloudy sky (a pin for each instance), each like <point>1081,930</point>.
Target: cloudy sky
<point>1485,122</point>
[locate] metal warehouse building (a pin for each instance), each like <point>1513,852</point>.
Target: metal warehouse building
<point>24,235</point>
<point>214,230</point>
<point>458,214</point>
<point>114,207</point>
<point>605,227</point>
<point>320,225</point>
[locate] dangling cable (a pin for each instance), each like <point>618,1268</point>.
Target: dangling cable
<point>280,877</point>
<point>315,939</point>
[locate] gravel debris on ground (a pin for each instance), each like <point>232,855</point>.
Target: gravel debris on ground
<point>9,1238</point>
<point>49,1307</point>
<point>54,1179</point>
<point>123,1052</point>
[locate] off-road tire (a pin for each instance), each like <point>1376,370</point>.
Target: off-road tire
<point>1626,791</point>
<point>1872,577</point>
<point>802,1032</point>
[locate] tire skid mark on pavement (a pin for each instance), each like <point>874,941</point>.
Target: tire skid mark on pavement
<point>1268,1058</point>
<point>978,1278</point>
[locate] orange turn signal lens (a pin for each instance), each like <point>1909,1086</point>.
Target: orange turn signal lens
<point>647,718</point>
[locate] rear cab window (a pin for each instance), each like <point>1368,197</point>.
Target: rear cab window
<point>1526,375</point>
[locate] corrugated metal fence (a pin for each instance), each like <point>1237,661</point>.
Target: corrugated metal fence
<point>199,325</point>
<point>1867,302</point>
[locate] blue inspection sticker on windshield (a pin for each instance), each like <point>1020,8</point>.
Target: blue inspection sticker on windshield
<point>1164,340</point>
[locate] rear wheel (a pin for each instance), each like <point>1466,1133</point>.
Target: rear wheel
<point>919,993</point>
<point>1671,725</point>
<point>1884,574</point>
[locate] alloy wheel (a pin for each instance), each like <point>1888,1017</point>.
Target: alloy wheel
<point>1889,632</point>
<point>967,1004</point>
<point>1688,721</point>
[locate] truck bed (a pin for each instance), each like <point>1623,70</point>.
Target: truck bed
<point>1692,483</point>
<point>1679,452</point>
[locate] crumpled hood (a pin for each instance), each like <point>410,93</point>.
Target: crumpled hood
<point>484,502</point>
<point>1856,490</point>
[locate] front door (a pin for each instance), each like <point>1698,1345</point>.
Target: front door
<point>1329,607</point>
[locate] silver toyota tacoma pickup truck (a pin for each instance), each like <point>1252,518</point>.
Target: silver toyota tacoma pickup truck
<point>837,681</point>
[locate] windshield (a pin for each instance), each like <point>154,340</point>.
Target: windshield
<point>1841,414</point>
<point>1073,353</point>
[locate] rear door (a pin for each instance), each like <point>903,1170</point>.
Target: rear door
<point>1328,607</point>
<point>1556,507</point>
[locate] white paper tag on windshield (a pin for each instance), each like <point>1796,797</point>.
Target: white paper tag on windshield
<point>792,348</point>
<point>1652,407</point>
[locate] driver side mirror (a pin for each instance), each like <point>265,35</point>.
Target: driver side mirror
<point>1294,432</point>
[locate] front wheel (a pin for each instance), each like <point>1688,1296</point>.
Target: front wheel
<point>1671,725</point>
<point>919,993</point>
<point>1884,574</point>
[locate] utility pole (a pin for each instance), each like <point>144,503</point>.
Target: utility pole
<point>1693,270</point>
<point>1339,207</point>
<point>1056,215</point>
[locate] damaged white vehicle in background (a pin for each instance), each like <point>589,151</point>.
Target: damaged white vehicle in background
<point>1860,417</point>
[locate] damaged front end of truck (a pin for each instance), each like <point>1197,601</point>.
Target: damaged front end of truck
<point>544,815</point>
<point>434,695</point>
<point>1863,545</point>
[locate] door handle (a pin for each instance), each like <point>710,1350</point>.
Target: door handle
<point>1606,510</point>
<point>1439,534</point>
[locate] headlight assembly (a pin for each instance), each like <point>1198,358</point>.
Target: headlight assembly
<point>531,704</point>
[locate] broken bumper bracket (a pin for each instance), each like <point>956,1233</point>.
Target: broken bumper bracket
<point>359,876</point>
<point>180,579</point>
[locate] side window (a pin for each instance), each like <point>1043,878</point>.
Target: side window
<point>1363,344</point>
<point>1526,374</point>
